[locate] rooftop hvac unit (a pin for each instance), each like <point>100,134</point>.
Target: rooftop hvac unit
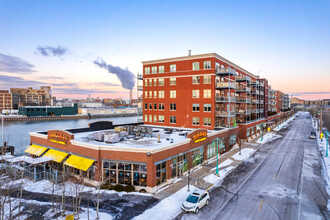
<point>112,138</point>
<point>98,137</point>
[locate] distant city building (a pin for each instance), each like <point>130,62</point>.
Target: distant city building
<point>31,97</point>
<point>5,101</point>
<point>34,111</point>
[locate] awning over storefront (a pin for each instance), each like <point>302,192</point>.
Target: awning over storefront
<point>80,163</point>
<point>35,150</point>
<point>57,156</point>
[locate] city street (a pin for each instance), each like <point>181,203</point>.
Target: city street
<point>283,180</point>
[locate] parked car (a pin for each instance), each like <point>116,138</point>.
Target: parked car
<point>312,135</point>
<point>195,201</point>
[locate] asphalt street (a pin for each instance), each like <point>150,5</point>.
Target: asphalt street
<point>282,180</point>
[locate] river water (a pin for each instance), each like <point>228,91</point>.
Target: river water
<point>17,133</point>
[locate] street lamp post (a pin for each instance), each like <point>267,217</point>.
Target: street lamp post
<point>262,131</point>
<point>327,144</point>
<point>217,169</point>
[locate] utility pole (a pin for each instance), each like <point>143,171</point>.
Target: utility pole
<point>321,121</point>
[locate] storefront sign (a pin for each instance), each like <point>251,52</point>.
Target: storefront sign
<point>59,137</point>
<point>198,135</point>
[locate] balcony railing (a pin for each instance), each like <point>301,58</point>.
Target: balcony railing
<point>225,85</point>
<point>254,83</point>
<point>243,89</point>
<point>255,92</point>
<point>225,71</point>
<point>244,112</point>
<point>225,113</point>
<point>219,125</point>
<point>243,79</point>
<point>225,99</point>
<point>140,88</point>
<point>140,76</point>
<point>261,93</point>
<point>243,100</point>
<point>255,110</point>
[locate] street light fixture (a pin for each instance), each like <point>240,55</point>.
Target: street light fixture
<point>327,144</point>
<point>217,168</point>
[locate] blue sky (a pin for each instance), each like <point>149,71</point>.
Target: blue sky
<point>284,41</point>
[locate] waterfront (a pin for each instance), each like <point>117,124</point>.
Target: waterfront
<point>17,133</point>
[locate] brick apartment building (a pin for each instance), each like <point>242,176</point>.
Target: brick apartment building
<point>205,91</point>
<point>5,100</point>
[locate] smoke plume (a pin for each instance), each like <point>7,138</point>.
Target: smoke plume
<point>126,77</point>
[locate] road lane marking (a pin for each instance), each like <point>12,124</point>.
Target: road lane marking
<point>260,205</point>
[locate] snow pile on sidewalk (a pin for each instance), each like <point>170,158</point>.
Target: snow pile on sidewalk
<point>168,207</point>
<point>212,178</point>
<point>223,164</point>
<point>284,124</point>
<point>268,138</point>
<point>245,153</point>
<point>326,160</point>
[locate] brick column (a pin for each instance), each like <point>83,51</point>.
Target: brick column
<point>168,169</point>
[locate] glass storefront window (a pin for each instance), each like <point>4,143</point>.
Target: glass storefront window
<point>161,173</point>
<point>211,150</point>
<point>197,157</point>
<point>232,139</point>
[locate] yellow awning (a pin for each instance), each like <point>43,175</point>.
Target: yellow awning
<point>35,150</point>
<point>57,156</point>
<point>80,163</point>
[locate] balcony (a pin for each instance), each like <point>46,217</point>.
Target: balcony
<point>225,113</point>
<point>225,85</point>
<point>140,88</point>
<point>225,71</point>
<point>243,100</point>
<point>254,83</point>
<point>140,76</point>
<point>262,84</point>
<point>255,111</point>
<point>241,89</point>
<point>222,125</point>
<point>243,79</point>
<point>255,101</point>
<point>255,92</point>
<point>225,99</point>
<point>261,93</point>
<point>243,112</point>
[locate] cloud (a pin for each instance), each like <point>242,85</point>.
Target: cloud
<point>51,77</point>
<point>80,91</point>
<point>48,51</point>
<point>101,84</point>
<point>10,64</point>
<point>126,77</point>
<point>308,93</point>
<point>18,82</point>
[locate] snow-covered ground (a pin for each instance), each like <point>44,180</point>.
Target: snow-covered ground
<point>245,153</point>
<point>286,123</point>
<point>322,145</point>
<point>268,137</point>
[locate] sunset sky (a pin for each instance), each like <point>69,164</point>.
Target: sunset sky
<point>56,42</point>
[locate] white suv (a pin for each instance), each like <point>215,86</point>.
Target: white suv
<point>196,201</point>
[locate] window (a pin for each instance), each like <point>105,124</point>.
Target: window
<point>172,81</point>
<point>172,119</point>
<point>195,79</point>
<point>161,106</point>
<point>195,107</point>
<point>207,93</point>
<point>145,118</point>
<point>173,68</point>
<point>172,93</point>
<point>207,79</point>
<point>195,66</point>
<point>217,65</point>
<point>161,118</point>
<point>161,81</point>
<point>197,156</point>
<point>145,94</point>
<point>146,70</point>
<point>155,82</point>
<point>207,107</point>
<point>145,106</point>
<point>161,173</point>
<point>155,106</point>
<point>160,94</point>
<point>154,69</point>
<point>232,139</point>
<point>195,120</point>
<point>161,69</point>
<point>150,94</point>
<point>155,94</point>
<point>207,65</point>
<point>207,121</point>
<point>150,106</point>
<point>145,82</point>
<point>150,82</point>
<point>150,118</point>
<point>155,118</point>
<point>173,106</point>
<point>211,150</point>
<point>195,93</point>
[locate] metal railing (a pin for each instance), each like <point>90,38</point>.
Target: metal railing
<point>225,85</point>
<point>225,99</point>
<point>243,100</point>
<point>225,71</point>
<point>243,78</point>
<point>140,88</point>
<point>225,113</point>
<point>140,76</point>
<point>243,89</point>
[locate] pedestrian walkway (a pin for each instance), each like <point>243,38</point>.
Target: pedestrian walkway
<point>197,175</point>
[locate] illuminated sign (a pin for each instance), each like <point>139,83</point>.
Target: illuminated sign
<point>59,137</point>
<point>198,135</point>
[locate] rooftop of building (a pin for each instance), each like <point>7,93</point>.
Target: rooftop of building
<point>198,56</point>
<point>135,137</point>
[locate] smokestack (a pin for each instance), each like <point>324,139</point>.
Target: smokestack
<point>131,95</point>
<point>189,52</point>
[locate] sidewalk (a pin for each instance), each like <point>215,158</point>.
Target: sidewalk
<point>229,159</point>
